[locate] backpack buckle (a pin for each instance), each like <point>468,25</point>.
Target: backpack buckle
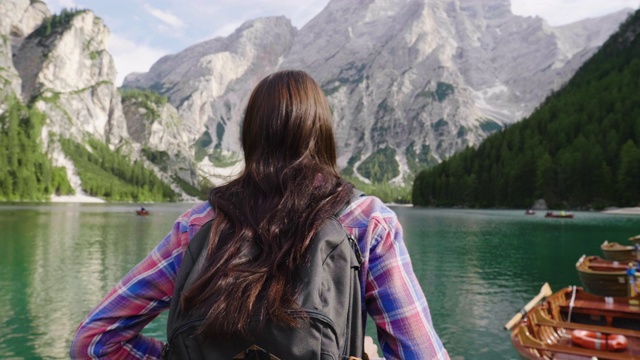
<point>165,351</point>
<point>254,352</point>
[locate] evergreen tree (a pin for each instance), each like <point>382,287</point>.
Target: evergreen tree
<point>629,174</point>
<point>27,172</point>
<point>578,149</point>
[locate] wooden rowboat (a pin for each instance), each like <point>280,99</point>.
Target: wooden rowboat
<point>635,239</point>
<point>618,252</point>
<point>551,329</point>
<point>142,212</point>
<point>603,277</point>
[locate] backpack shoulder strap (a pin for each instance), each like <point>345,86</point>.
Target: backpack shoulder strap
<point>192,261</point>
<point>354,196</point>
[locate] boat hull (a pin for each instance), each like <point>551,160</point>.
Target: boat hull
<point>619,255</point>
<point>603,277</point>
<point>614,284</point>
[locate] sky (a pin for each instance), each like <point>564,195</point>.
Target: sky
<point>142,31</point>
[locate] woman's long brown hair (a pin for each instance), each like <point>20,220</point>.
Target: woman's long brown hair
<point>265,219</point>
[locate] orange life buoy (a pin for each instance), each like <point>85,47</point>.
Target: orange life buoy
<point>599,341</point>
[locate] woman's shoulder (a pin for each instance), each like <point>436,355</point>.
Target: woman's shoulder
<point>195,217</point>
<point>365,209</point>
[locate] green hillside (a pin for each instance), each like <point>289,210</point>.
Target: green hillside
<point>26,172</point>
<point>113,176</point>
<point>579,149</point>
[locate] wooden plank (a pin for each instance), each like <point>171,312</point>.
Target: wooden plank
<point>540,319</point>
<point>528,341</point>
<point>618,310</point>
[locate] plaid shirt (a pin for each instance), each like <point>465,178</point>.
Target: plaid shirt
<point>392,296</point>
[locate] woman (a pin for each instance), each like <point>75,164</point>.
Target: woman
<point>290,168</point>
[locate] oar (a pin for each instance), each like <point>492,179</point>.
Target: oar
<point>544,292</point>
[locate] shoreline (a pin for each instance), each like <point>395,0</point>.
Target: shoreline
<point>77,198</point>
<point>84,198</point>
<point>623,211</point>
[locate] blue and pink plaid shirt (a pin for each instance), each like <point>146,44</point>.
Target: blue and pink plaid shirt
<point>392,296</point>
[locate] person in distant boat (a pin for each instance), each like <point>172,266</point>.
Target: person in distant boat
<point>290,184</point>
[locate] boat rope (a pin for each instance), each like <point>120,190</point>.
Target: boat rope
<point>573,297</point>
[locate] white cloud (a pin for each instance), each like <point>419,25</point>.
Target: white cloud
<point>56,5</point>
<point>165,16</point>
<point>67,3</point>
<point>131,57</point>
<point>561,12</point>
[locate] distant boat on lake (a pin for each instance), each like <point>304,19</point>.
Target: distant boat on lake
<point>529,212</point>
<point>603,277</point>
<point>561,215</point>
<point>142,212</point>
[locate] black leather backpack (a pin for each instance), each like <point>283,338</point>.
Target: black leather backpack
<point>329,297</point>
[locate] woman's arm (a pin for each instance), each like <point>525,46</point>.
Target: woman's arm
<point>112,329</point>
<point>393,296</point>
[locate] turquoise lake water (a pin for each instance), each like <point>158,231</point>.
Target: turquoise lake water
<point>476,267</point>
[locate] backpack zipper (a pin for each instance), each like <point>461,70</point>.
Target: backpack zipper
<point>356,248</point>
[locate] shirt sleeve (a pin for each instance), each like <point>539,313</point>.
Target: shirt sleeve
<point>112,329</point>
<point>393,297</point>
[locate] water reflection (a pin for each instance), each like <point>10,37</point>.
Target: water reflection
<point>61,261</point>
<point>476,267</point>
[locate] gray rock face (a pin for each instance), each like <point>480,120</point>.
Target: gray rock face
<point>423,79</point>
<point>30,20</point>
<point>437,75</point>
<point>209,82</point>
<point>158,128</point>
<point>70,76</point>
<point>10,82</point>
<point>11,11</point>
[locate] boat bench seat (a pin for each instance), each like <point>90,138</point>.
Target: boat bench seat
<point>602,309</point>
<point>540,318</point>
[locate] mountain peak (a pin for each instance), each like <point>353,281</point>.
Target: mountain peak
<point>412,81</point>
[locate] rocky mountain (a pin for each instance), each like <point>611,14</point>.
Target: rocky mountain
<point>578,150</point>
<point>410,82</point>
<point>209,82</point>
<point>59,66</point>
<point>156,126</point>
<point>18,19</point>
<point>68,74</point>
